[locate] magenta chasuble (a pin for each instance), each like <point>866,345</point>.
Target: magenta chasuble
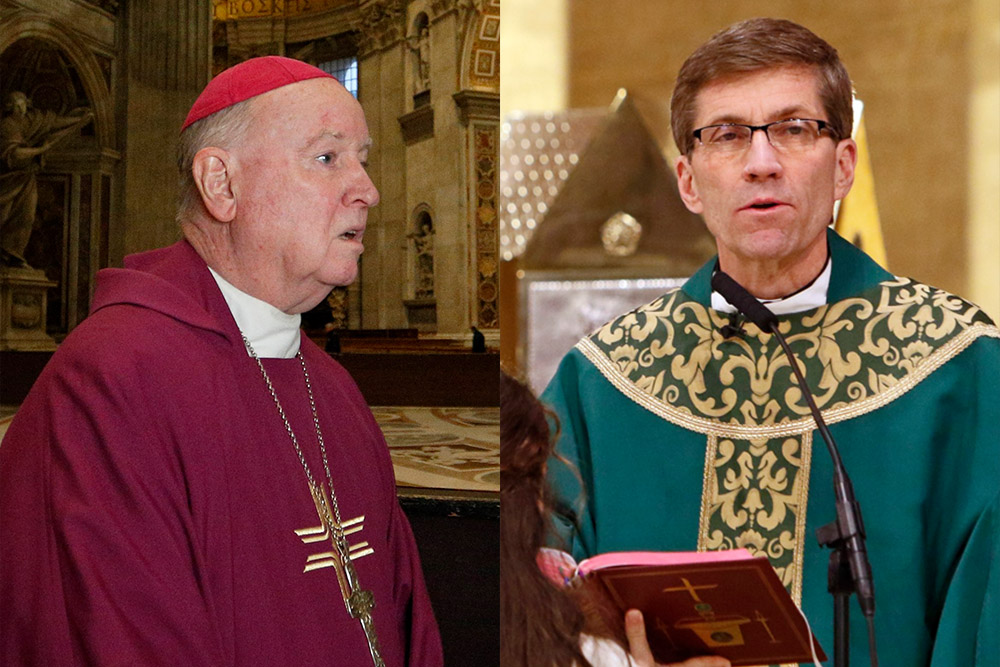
<point>153,510</point>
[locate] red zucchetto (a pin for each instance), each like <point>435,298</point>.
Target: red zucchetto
<point>248,79</point>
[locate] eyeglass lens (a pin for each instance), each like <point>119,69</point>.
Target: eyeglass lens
<point>788,135</point>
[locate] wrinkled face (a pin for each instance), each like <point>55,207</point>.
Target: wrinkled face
<point>302,192</point>
<point>764,205</point>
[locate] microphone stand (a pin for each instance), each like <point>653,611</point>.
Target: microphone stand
<point>849,570</point>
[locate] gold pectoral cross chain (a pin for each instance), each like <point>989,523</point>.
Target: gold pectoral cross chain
<point>359,602</point>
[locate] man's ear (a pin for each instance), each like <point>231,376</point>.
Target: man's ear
<point>847,159</point>
<point>211,170</point>
<point>686,185</point>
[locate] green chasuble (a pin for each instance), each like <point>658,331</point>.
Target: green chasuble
<point>684,440</point>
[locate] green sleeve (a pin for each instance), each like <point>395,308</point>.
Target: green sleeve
<point>968,632</point>
<point>570,472</point>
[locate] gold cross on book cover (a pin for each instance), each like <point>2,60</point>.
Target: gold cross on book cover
<point>725,603</point>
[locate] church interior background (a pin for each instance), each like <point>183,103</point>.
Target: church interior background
<point>426,74</point>
<point>419,329</point>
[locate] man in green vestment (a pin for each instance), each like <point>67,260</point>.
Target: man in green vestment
<point>684,422</point>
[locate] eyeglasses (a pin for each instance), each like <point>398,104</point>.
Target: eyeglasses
<point>793,135</point>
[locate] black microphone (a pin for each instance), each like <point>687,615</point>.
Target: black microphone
<point>734,328</point>
<point>848,529</point>
<point>743,301</point>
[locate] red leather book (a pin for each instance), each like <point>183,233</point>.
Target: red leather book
<point>724,603</point>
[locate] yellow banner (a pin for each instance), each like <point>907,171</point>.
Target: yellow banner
<point>858,219</point>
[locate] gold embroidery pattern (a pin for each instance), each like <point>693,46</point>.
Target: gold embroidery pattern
<point>754,497</point>
<point>858,354</point>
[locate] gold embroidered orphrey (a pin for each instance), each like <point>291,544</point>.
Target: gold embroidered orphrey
<point>858,354</point>
<point>359,602</point>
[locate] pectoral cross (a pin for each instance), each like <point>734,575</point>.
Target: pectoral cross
<point>359,602</point>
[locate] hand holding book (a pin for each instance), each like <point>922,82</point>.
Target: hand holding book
<point>725,603</point>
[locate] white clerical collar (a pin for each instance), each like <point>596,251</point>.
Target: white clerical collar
<point>811,296</point>
<point>272,333</point>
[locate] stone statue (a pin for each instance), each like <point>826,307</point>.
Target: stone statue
<point>424,58</point>
<point>423,244</point>
<point>419,44</point>
<point>26,134</point>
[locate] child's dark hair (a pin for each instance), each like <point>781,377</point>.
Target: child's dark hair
<point>539,623</point>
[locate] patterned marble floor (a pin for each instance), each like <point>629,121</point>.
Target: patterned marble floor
<point>437,448</point>
<point>443,448</point>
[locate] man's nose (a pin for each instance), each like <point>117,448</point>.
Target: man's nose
<point>362,188</point>
<point>761,158</point>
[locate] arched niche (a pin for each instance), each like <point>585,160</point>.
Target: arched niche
<point>421,248</point>
<point>419,40</point>
<point>421,306</point>
<point>76,186</point>
<point>23,26</point>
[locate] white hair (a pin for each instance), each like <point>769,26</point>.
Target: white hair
<point>224,128</point>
